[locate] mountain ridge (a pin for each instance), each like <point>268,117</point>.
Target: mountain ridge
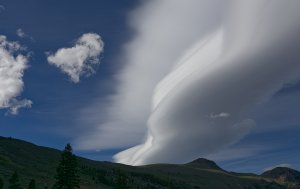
<point>284,175</point>
<point>38,162</point>
<point>203,163</point>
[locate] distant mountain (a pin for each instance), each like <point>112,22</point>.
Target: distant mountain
<point>202,163</point>
<point>39,163</point>
<point>284,175</point>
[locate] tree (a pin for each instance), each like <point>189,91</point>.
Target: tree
<point>1,184</point>
<point>14,182</point>
<point>67,171</point>
<point>122,180</point>
<point>31,184</point>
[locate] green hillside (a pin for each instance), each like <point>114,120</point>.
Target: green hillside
<point>39,163</point>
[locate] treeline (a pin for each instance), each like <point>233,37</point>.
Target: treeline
<point>67,174</point>
<point>117,178</point>
<point>14,182</point>
<point>72,173</point>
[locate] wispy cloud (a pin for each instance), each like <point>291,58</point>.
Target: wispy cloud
<point>2,8</point>
<point>20,33</point>
<point>78,60</point>
<point>220,115</point>
<point>237,153</point>
<point>12,66</point>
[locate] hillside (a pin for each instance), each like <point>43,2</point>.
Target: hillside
<point>32,161</point>
<point>284,175</point>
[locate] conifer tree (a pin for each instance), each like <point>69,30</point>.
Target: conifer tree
<point>31,184</point>
<point>67,171</point>
<point>1,183</point>
<point>14,182</point>
<point>122,181</point>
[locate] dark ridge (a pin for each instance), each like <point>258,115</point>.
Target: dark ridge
<point>39,163</point>
<point>283,174</point>
<point>202,163</point>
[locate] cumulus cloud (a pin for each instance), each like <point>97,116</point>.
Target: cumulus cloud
<point>79,59</point>
<point>252,56</point>
<point>12,66</point>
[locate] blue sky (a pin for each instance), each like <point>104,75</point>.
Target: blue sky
<point>52,25</point>
<point>62,110</point>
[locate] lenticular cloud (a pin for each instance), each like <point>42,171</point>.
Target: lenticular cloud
<point>203,104</point>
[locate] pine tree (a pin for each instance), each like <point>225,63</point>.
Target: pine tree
<point>1,184</point>
<point>67,171</point>
<point>122,180</point>
<point>14,182</point>
<point>31,184</point>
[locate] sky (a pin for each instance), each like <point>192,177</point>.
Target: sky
<point>161,81</point>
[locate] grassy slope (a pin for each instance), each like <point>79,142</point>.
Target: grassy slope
<point>37,162</point>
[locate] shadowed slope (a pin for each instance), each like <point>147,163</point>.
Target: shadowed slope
<point>39,163</point>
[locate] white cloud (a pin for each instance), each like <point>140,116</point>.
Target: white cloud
<point>78,60</point>
<point>20,33</point>
<point>164,30</point>
<point>220,115</point>
<point>12,66</point>
<point>198,57</point>
<point>234,74</point>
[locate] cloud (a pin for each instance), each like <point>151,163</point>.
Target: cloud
<point>235,153</point>
<point>280,165</point>
<point>189,65</point>
<point>163,31</point>
<point>12,66</point>
<point>20,33</point>
<point>2,8</point>
<point>220,115</point>
<point>77,61</point>
<point>254,53</point>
